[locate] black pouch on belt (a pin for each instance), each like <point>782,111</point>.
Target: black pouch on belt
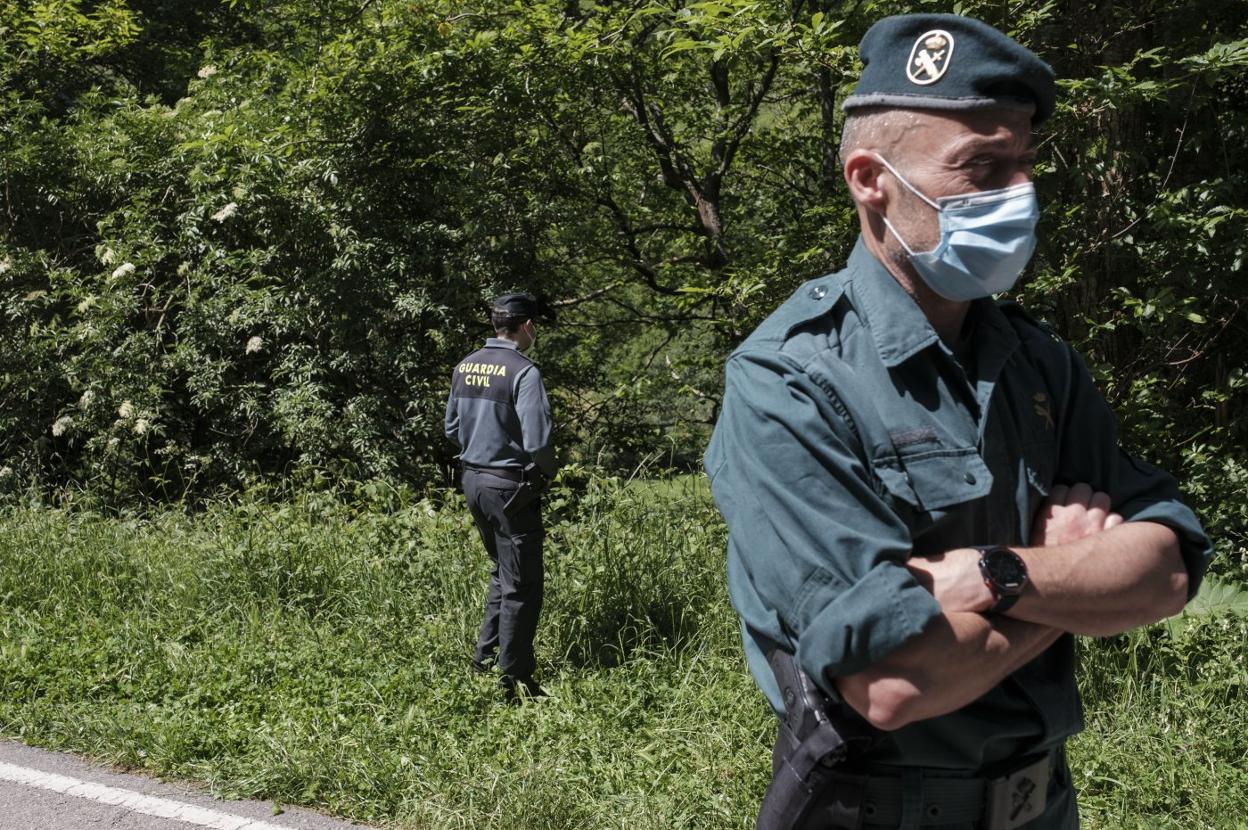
<point>532,483</point>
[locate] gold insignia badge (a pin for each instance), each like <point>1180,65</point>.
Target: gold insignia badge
<point>929,59</point>
<point>1041,408</point>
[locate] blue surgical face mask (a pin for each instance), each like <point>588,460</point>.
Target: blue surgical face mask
<point>986,239</point>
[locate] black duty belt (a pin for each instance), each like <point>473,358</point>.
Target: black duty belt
<point>821,779</point>
<point>509,473</point>
<point>999,803</point>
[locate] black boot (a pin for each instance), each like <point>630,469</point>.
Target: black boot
<point>515,689</point>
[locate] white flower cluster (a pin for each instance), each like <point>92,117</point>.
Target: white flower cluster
<point>141,425</point>
<point>123,270</point>
<point>61,426</point>
<point>226,212</point>
<point>86,400</point>
<point>255,344</point>
<point>206,72</point>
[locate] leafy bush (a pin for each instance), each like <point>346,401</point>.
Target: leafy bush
<point>246,241</point>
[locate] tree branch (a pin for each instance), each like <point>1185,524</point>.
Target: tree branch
<point>584,298</point>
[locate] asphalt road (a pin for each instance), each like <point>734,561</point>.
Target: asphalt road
<point>42,790</point>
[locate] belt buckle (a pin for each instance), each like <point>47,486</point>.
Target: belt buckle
<point>1017,797</point>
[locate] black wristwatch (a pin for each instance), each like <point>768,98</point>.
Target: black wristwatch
<point>1004,573</point>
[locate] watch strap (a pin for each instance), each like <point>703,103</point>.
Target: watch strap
<point>1004,603</point>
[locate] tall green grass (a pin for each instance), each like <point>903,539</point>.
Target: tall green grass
<point>1167,739</point>
<point>317,653</point>
<point>311,653</point>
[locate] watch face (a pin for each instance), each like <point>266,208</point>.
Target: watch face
<point>1005,569</point>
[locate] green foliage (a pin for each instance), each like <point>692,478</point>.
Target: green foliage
<point>1143,247</point>
<point>266,230</point>
<point>253,280</point>
<point>272,270</point>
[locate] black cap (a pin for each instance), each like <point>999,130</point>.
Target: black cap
<point>517,305</point>
<point>949,62</point>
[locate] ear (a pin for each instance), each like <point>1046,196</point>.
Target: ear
<point>862,174</point>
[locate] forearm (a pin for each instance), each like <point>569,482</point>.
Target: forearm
<point>1121,578</point>
<point>957,658</point>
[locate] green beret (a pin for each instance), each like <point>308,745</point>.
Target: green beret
<point>949,62</point>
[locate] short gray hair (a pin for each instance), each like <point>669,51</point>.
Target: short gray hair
<point>875,128</point>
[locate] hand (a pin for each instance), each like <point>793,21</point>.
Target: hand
<point>953,578</point>
<point>1070,514</point>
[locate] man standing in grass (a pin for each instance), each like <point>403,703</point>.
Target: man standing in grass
<point>924,489</point>
<point>499,416</point>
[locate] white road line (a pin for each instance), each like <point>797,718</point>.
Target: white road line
<point>137,802</point>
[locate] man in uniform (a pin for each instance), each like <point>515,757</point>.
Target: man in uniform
<point>499,416</point>
<point>924,490</point>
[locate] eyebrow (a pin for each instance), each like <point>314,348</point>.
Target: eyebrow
<point>978,143</point>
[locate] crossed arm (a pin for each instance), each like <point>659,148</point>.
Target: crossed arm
<point>1091,573</point>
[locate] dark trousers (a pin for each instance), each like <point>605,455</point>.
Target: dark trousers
<point>514,600</point>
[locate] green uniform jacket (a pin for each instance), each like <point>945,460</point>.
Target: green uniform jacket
<point>851,438</point>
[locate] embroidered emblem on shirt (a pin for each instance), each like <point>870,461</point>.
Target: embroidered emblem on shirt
<point>909,437</point>
<point>1041,408</point>
<point>930,56</point>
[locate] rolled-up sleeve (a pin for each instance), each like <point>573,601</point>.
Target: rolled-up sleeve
<point>815,555</point>
<point>1089,452</point>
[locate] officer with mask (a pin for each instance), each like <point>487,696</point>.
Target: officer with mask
<point>499,416</point>
<point>924,491</point>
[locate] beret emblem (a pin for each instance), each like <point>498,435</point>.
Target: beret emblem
<point>929,57</point>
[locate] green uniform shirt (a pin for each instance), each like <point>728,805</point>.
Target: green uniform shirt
<point>851,437</point>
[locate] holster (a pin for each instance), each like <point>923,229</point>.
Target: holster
<point>807,791</point>
<point>533,482</point>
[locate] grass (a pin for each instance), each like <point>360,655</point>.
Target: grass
<point>1167,739</point>
<point>316,653</point>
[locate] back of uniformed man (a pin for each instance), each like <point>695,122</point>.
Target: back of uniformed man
<point>923,488</point>
<point>499,416</point>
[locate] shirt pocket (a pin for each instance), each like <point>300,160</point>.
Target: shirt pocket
<point>934,480</point>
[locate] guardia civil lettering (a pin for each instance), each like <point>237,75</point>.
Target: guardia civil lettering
<point>498,369</point>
